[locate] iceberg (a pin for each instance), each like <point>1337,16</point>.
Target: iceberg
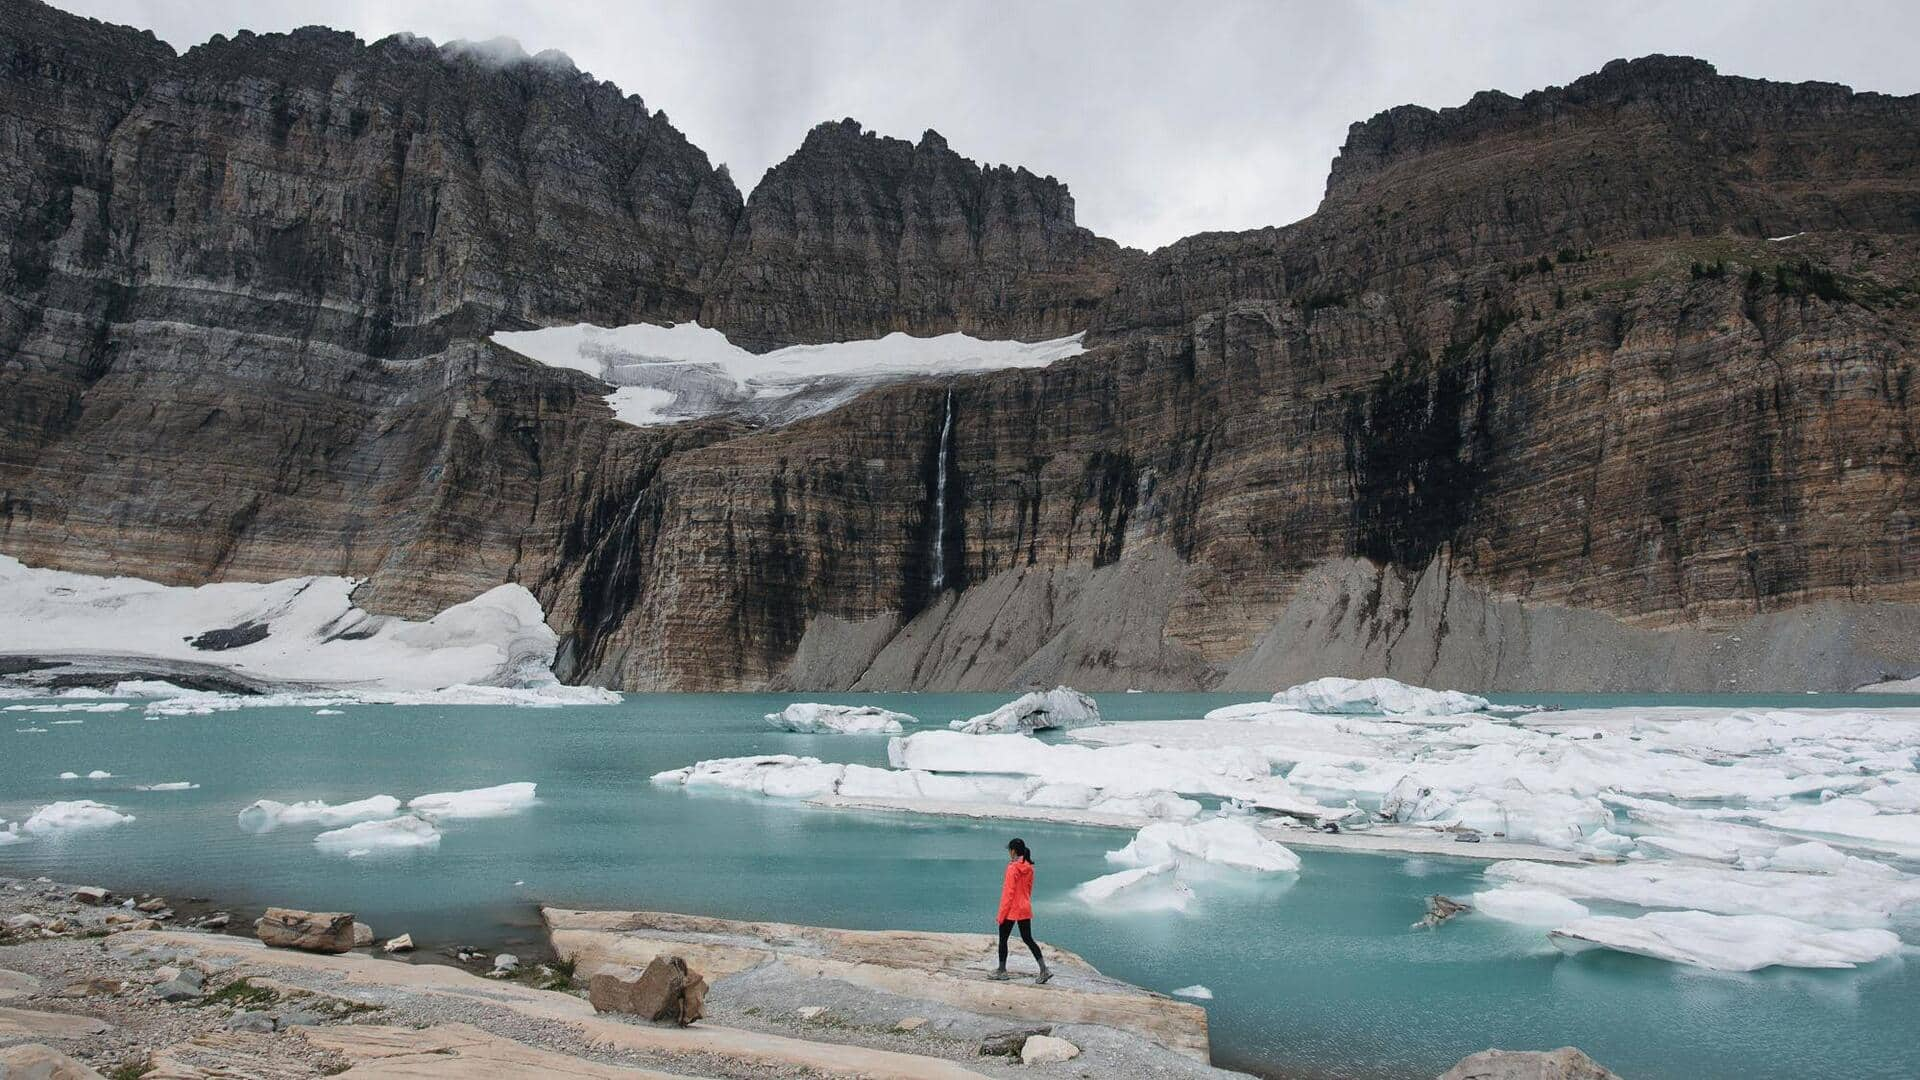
<point>1856,821</point>
<point>670,374</point>
<point>813,719</point>
<point>10,834</point>
<point>392,833</point>
<point>1041,710</point>
<point>266,815</point>
<point>1144,888</point>
<point>497,801</point>
<point>73,816</point>
<point>1726,942</point>
<point>1196,992</point>
<point>1387,697</point>
<point>1528,907</point>
<point>1228,842</point>
<point>1838,901</point>
<point>99,774</point>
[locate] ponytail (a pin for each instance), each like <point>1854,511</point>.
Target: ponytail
<point>1019,847</point>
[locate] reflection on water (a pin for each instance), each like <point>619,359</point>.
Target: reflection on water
<point>1319,976</point>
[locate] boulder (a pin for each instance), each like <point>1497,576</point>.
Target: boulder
<point>1045,1049</point>
<point>1008,1043</point>
<point>257,1023</point>
<point>666,990</point>
<point>403,943</point>
<point>152,904</point>
<point>506,963</point>
<point>313,931</point>
<point>41,1062</point>
<point>90,894</point>
<point>1439,910</point>
<point>218,921</point>
<point>362,935</point>
<point>1565,1063</point>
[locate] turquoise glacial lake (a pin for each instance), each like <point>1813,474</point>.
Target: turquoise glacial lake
<point>1317,975</point>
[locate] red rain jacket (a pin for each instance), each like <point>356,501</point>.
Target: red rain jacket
<point>1016,895</point>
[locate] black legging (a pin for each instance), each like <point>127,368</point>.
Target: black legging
<point>1026,935</point>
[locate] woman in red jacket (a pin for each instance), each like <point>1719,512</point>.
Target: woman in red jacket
<point>1016,907</point>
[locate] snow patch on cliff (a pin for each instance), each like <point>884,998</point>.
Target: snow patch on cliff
<point>670,374</point>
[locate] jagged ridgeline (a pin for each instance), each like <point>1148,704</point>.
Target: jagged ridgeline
<point>1607,386</point>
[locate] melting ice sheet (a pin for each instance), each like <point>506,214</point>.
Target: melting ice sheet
<point>668,374</point>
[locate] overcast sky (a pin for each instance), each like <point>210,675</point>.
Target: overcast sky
<point>1164,118</point>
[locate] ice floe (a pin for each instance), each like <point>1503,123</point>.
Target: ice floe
<point>99,707</point>
<point>1196,992</point>
<point>1221,841</point>
<point>1040,710</point>
<point>670,374</point>
<point>73,815</point>
<point>497,801</point>
<point>10,834</point>
<point>407,831</point>
<point>548,696</point>
<point>99,774</point>
<point>1727,942</point>
<point>1855,821</point>
<point>170,785</point>
<point>266,815</point>
<point>809,718</point>
<point>1145,888</point>
<point>1528,907</point>
<point>1841,901</point>
<point>298,632</point>
<point>1376,696</point>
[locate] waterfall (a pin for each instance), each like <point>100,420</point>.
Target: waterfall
<point>940,502</point>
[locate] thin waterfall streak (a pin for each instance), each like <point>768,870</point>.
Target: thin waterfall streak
<point>940,501</point>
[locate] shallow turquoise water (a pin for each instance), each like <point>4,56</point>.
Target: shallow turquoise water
<point>1318,975</point>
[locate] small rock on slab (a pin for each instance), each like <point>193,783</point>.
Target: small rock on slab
<point>910,1023</point>
<point>403,943</point>
<point>91,894</point>
<point>666,990</point>
<point>313,931</point>
<point>1566,1063</point>
<point>1008,1043</point>
<point>39,1062</point>
<point>1045,1049</point>
<point>808,1012</point>
<point>362,935</point>
<point>152,904</point>
<point>257,1023</point>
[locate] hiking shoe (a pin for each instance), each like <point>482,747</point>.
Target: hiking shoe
<point>1042,977</point>
<point>999,976</point>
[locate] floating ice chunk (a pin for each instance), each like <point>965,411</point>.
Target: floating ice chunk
<point>1229,842</point>
<point>1377,696</point>
<point>326,712</point>
<point>1232,772</point>
<point>171,785</point>
<point>99,774</point>
<point>73,816</point>
<point>1727,942</point>
<point>496,801</point>
<point>401,832</point>
<point>814,719</point>
<point>10,834</point>
<point>669,374</point>
<point>69,776</point>
<point>1528,907</point>
<point>1551,819</point>
<point>1041,710</point>
<point>1605,842</point>
<point>553,696</point>
<point>1856,821</point>
<point>1147,888</point>
<point>358,852</point>
<point>779,775</point>
<point>1196,992</point>
<point>103,707</point>
<point>266,815</point>
<point>1814,857</point>
<point>1159,805</point>
<point>1842,902</point>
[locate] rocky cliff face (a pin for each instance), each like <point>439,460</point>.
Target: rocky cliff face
<point>1533,385</point>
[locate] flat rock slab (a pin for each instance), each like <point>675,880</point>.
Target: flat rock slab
<point>457,1052</point>
<point>17,984</point>
<point>950,969</point>
<point>32,1061</point>
<point>749,1049</point>
<point>32,1024</point>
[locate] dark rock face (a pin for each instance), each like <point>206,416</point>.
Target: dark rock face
<point>1538,352</point>
<point>856,236</point>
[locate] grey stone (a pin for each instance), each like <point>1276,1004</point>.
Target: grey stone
<point>258,1023</point>
<point>1046,1049</point>
<point>1008,1043</point>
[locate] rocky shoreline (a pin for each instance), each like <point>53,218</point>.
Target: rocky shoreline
<point>128,986</point>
